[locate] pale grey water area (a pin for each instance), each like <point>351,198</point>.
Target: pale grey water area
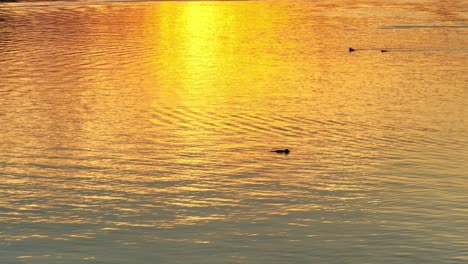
<point>140,132</point>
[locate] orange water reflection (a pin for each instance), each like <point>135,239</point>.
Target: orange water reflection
<point>218,51</point>
<point>163,115</point>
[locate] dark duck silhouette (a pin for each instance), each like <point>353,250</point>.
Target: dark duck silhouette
<point>283,151</point>
<point>351,49</point>
<point>383,51</point>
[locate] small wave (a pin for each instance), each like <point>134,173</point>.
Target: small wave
<point>229,123</point>
<point>32,3</point>
<point>423,26</point>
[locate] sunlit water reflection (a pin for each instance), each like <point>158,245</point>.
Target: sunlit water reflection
<point>140,132</point>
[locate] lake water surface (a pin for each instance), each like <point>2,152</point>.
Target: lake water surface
<point>140,132</point>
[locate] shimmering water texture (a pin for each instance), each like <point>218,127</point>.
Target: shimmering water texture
<point>142,132</point>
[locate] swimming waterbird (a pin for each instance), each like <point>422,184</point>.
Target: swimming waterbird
<point>284,151</point>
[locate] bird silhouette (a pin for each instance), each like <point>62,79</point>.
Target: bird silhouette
<point>284,151</point>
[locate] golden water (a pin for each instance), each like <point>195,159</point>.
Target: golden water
<point>140,132</point>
